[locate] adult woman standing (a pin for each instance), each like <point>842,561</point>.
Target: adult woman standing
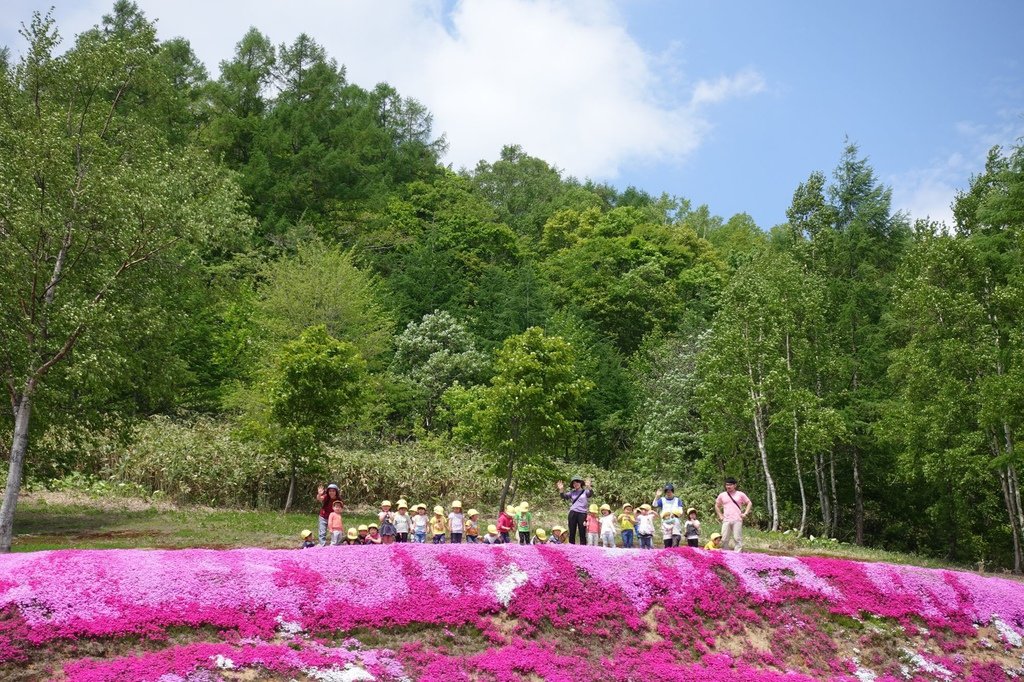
<point>327,497</point>
<point>579,495</point>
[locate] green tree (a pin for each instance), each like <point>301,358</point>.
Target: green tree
<point>748,364</point>
<point>321,284</point>
<point>317,388</point>
<point>523,189</point>
<point>434,354</point>
<point>528,410</point>
<point>91,198</point>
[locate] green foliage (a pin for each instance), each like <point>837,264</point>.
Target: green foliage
<point>434,354</point>
<point>198,461</point>
<point>321,285</point>
<point>528,411</point>
<point>631,277</point>
<point>318,384</point>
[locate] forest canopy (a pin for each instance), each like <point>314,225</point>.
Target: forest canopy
<point>184,252</point>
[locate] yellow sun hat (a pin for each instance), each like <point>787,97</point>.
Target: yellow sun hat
<point>402,504</point>
<point>645,507</point>
<point>421,506</point>
<point>510,510</point>
<point>606,507</point>
<point>524,506</point>
<point>472,512</point>
<point>691,510</point>
<point>352,534</point>
<point>667,514</point>
<point>492,529</point>
<point>372,525</point>
<point>306,534</point>
<point>363,527</point>
<point>627,506</point>
<point>557,529</point>
<point>542,534</point>
<point>386,503</point>
<point>677,512</point>
<point>716,536</point>
<point>456,504</point>
<point>439,509</point>
<point>593,509</point>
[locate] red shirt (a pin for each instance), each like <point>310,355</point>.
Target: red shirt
<point>327,506</point>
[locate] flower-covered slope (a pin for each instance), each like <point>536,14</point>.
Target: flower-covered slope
<point>464,612</point>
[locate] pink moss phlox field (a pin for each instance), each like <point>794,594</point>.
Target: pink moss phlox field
<point>552,612</point>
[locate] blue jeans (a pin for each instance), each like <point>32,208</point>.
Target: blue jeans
<point>472,538</point>
<point>646,541</point>
<point>439,539</point>
<point>456,538</point>
<point>627,539</point>
<point>504,538</point>
<point>420,537</point>
<point>322,531</point>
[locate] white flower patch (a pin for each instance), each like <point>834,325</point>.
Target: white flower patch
<point>223,662</point>
<point>1009,635</point>
<point>923,664</point>
<point>861,673</point>
<point>865,674</point>
<point>506,587</point>
<point>349,673</point>
<point>288,627</point>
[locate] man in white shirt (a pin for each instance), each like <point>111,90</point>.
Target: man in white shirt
<point>732,507</point>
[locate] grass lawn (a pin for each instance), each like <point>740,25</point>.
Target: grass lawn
<point>47,520</point>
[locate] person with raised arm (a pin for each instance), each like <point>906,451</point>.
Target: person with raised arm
<point>579,494</point>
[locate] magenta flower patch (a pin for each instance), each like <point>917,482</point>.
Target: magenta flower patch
<point>465,612</point>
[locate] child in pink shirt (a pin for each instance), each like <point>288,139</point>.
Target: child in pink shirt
<point>335,526</point>
<point>593,526</point>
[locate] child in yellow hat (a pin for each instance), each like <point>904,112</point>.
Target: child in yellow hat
<point>607,520</point>
<point>669,523</point>
<point>403,522</point>
<point>492,537</point>
<point>386,517</point>
<point>307,539</point>
<point>352,538</point>
<point>645,526</point>
<point>420,524</point>
<point>524,523</point>
<point>593,526</point>
<point>715,541</point>
<point>627,525</point>
<point>472,526</point>
<point>691,528</point>
<point>438,525</point>
<point>456,523</point>
<point>540,537</point>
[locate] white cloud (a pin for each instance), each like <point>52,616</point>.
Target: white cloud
<point>746,82</point>
<point>562,78</point>
<point>929,192</point>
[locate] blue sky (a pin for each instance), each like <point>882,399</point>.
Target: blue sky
<point>729,104</point>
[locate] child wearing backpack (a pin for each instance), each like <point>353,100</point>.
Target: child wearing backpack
<point>524,523</point>
<point>607,521</point>
<point>506,522</point>
<point>691,529</point>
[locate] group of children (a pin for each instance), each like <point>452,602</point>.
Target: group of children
<point>412,524</point>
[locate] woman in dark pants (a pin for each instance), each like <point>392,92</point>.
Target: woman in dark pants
<point>579,494</point>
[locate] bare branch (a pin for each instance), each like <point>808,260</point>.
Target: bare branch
<point>117,100</point>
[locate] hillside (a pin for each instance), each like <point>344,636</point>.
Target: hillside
<point>507,613</point>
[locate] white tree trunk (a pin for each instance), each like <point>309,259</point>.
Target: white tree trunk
<point>19,445</point>
<point>760,436</point>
